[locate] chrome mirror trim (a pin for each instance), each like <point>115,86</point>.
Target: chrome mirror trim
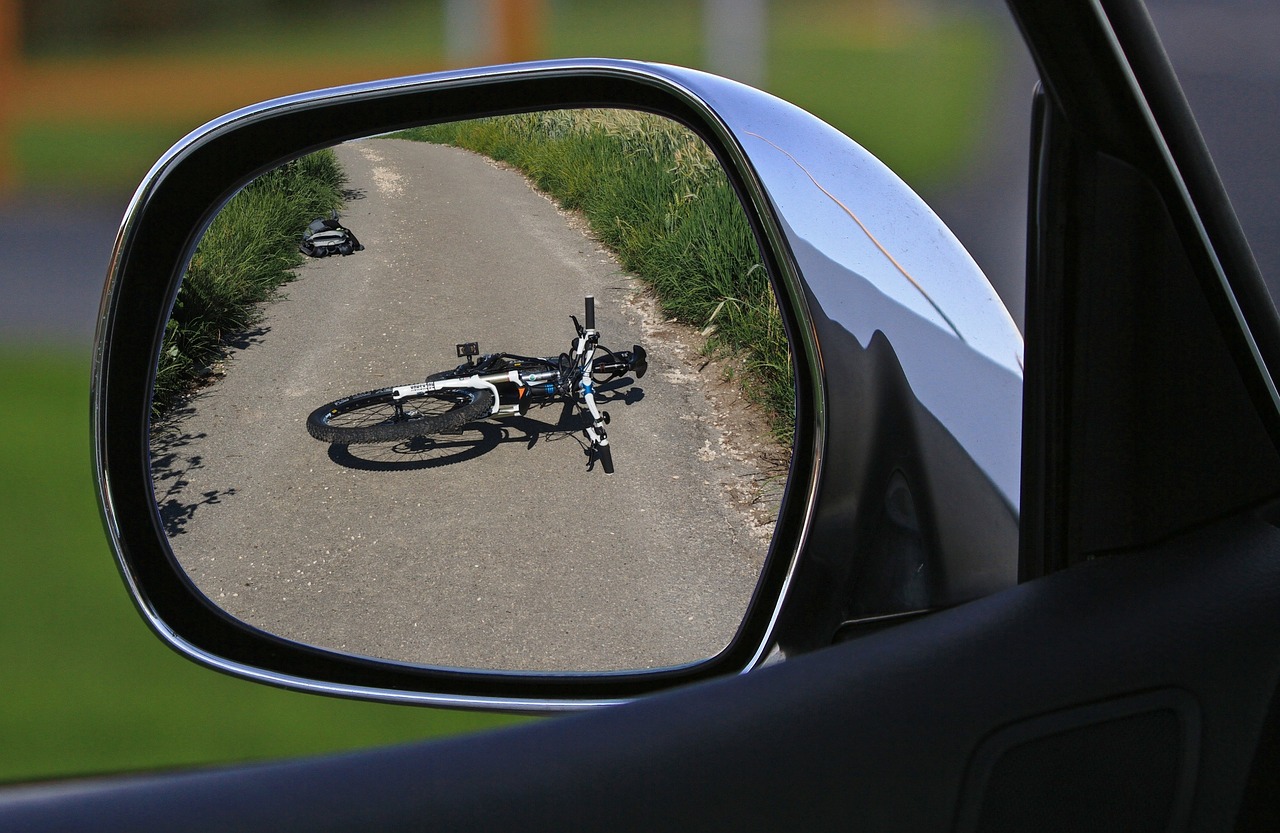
<point>856,255</point>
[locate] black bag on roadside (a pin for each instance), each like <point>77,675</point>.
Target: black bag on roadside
<point>327,236</point>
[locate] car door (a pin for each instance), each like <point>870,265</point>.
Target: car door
<point>1127,682</point>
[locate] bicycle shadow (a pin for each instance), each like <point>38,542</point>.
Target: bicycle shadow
<point>245,339</point>
<point>626,391</point>
<point>478,438</point>
<point>419,453</point>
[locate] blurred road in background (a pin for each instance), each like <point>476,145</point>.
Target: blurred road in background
<point>1227,55</point>
<point>55,256</point>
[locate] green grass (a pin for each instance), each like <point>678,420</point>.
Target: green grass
<point>654,194</point>
<point>908,88</point>
<point>248,252</point>
<point>87,687</point>
<point>915,98</point>
<point>90,156</point>
<point>665,31</point>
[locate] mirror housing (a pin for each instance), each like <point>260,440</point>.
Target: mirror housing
<point>903,489</point>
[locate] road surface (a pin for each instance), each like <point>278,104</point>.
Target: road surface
<point>496,548</point>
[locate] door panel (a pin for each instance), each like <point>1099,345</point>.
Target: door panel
<point>895,731</point>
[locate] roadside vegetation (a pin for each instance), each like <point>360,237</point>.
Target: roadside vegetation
<point>246,255</point>
<point>655,195</point>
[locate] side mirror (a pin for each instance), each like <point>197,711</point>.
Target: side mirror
<point>338,504</point>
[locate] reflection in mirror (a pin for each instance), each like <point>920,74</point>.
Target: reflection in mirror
<point>394,442</point>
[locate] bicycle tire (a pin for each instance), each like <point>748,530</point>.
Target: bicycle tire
<point>372,416</point>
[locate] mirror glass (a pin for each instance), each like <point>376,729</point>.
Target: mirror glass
<point>385,407</point>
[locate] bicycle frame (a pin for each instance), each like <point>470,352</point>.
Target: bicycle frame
<point>518,382</point>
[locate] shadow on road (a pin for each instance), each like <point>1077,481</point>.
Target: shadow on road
<point>246,338</point>
<point>170,468</point>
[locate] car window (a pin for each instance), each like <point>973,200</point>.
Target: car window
<point>984,200</point>
<point>1226,59</point>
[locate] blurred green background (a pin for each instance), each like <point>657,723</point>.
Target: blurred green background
<point>905,79</point>
<point>96,91</point>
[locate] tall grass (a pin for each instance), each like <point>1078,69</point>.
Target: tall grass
<point>247,253</point>
<point>654,193</point>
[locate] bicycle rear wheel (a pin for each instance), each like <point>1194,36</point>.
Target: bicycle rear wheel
<point>376,417</point>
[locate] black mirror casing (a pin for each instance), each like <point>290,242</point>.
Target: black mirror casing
<point>907,376</point>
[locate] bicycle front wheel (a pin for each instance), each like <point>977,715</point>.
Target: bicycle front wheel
<point>376,416</point>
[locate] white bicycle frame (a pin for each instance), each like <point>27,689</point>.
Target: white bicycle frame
<point>584,351</point>
<point>478,382</point>
<point>583,355</point>
<point>585,346</point>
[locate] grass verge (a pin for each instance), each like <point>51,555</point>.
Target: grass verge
<point>654,193</point>
<point>246,255</point>
<point>89,156</point>
<point>88,689</point>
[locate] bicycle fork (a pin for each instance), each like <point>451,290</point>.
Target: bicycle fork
<point>595,432</point>
<point>585,348</point>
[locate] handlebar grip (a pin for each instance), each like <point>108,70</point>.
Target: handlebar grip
<point>591,312</point>
<point>606,458</point>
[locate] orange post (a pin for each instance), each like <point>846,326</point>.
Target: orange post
<point>10,47</point>
<point>518,33</point>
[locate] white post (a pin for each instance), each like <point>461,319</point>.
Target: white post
<point>734,34</point>
<point>467,25</point>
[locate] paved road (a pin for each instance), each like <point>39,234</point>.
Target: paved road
<point>54,253</point>
<point>496,548</point>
